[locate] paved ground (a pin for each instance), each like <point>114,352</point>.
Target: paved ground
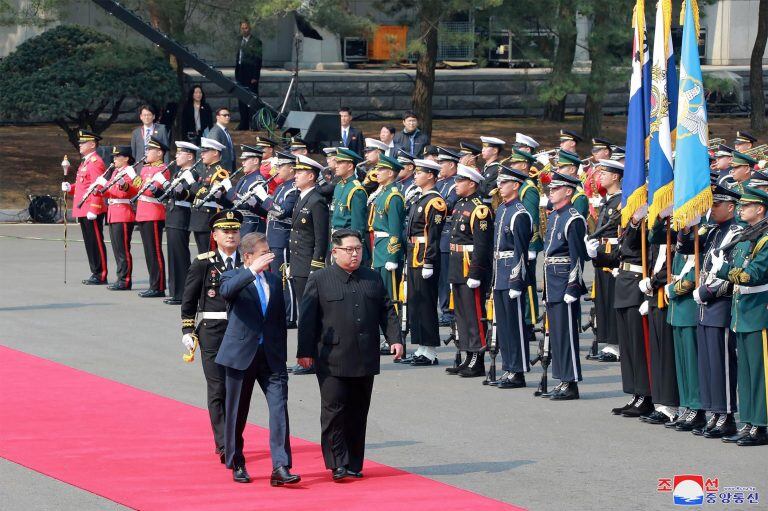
<point>505,444</point>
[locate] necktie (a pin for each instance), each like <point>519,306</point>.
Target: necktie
<point>344,136</point>
<point>147,132</point>
<point>229,263</point>
<point>262,295</point>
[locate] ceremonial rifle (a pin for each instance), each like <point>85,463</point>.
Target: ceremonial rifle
<point>490,315</point>
<point>176,181</point>
<point>251,192</point>
<point>215,188</point>
<point>146,185</point>
<point>749,233</point>
<point>454,335</point>
<point>93,186</point>
<point>544,356</point>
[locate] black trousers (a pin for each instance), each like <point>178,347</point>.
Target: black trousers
<point>120,234</point>
<point>344,404</point>
<point>178,260</point>
<point>152,239</point>
<point>605,313</point>
<point>298,286</point>
<point>93,237</point>
<point>443,287</point>
<point>245,112</point>
<point>564,340</point>
<point>239,391</point>
<point>634,365</point>
<point>203,241</point>
<point>210,336</point>
<point>717,369</point>
<point>422,308</point>
<point>469,305</point>
<point>512,332</point>
<point>663,371</point>
<point>276,267</point>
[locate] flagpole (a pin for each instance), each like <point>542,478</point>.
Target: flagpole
<point>646,327</point>
<point>696,253</point>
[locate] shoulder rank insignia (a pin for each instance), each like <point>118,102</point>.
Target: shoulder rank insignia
<point>206,255</point>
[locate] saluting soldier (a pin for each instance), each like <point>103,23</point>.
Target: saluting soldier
<point>469,153</point>
<point>469,269</point>
<point>349,209</point>
<point>178,212</point>
<point>212,175</point>
<point>203,301</point>
<point>253,220</point>
<point>491,152</point>
<point>446,186</point>
<point>121,216</point>
<point>422,265</point>
<point>747,270</point>
<point>564,256</point>
<point>386,221</point>
<point>511,242</point>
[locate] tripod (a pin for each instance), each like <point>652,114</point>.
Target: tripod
<point>292,94</point>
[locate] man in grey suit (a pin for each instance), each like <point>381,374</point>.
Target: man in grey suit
<point>148,129</point>
<point>221,134</point>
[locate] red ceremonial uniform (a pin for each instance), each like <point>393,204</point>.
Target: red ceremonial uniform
<point>89,170</point>
<point>148,208</point>
<point>119,207</point>
<point>266,173</point>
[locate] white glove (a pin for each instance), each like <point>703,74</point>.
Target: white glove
<point>472,283</point>
<point>668,290</point>
<point>643,309</point>
<point>251,201</point>
<point>569,299</point>
<point>131,173</point>
<point>514,294</point>
<point>718,259</point>
<point>645,285</point>
<point>426,273</point>
<point>543,158</point>
<point>90,216</point>
<point>287,271</point>
<point>390,266</point>
<point>100,181</point>
<point>188,341</point>
<point>261,192</point>
<point>179,187</point>
<point>615,272</point>
<point>160,179</point>
<point>65,187</point>
<point>697,297</point>
<point>591,246</point>
<point>531,255</point>
<point>543,201</point>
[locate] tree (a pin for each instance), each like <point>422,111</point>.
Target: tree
<point>81,79</point>
<point>757,115</point>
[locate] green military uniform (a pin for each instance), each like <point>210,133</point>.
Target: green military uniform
<point>349,209</point>
<point>580,201</point>
<point>740,159</point>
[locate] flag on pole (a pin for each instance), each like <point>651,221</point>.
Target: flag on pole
<point>693,195</point>
<point>663,116</point>
<point>634,190</point>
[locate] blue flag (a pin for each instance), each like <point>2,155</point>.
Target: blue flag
<point>693,195</point>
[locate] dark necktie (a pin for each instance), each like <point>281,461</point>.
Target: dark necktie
<point>229,263</point>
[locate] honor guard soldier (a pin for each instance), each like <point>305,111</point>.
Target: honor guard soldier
<point>744,141</point>
<point>150,214</point>
<point>491,153</point>
<point>609,175</point>
<point>203,210</point>
<point>747,269</point>
<point>716,342</point>
<point>468,270</point>
<point>722,161</point>
<point>564,256</point>
<point>405,179</point>
<point>386,226</point>
<point>374,150</point>
<point>468,153</point>
<point>569,140</point>
<point>422,263</point>
<point>349,209</point>
<point>253,221</point>
<point>267,147</point>
<point>327,180</point>
<point>178,211</point>
<point>512,236</point>
<point>446,186</point>
<point>90,215</point>
<point>121,216</point>
<point>297,146</point>
<point>741,169</point>
<point>568,163</point>
<point>525,143</point>
<point>601,150</point>
<point>202,300</point>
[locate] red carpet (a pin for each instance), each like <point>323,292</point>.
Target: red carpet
<point>149,452</point>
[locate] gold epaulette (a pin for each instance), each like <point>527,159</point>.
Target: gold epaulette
<point>137,181</point>
<point>481,213</point>
<point>394,192</point>
<point>355,188</point>
<point>759,245</point>
<point>206,255</point>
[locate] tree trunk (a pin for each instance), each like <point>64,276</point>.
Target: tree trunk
<point>596,87</point>
<point>168,17</point>
<point>425,67</point>
<point>554,110</point>
<point>757,99</point>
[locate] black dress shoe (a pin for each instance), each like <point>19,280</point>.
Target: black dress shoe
<point>671,423</point>
<point>516,381</point>
<point>643,406</point>
<point>93,280</point>
<point>726,426</point>
<point>172,301</point>
<point>740,433</point>
<point>445,320</point>
<point>406,360</point>
<point>240,475</point>
<point>607,357</point>
<point>656,418</point>
<point>355,474</point>
<point>694,419</point>
<point>557,388</point>
<point>422,360</point>
<point>340,473</point>
<point>618,410</point>
<point>281,476</point>
<point>222,455</point>
<point>700,430</point>
<point>152,293</point>
<point>118,286</point>
<point>384,348</point>
<point>568,393</point>
<point>301,370</point>
<point>758,435</point>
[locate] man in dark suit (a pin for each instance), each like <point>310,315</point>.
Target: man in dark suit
<point>247,69</point>
<point>342,310</point>
<point>351,137</point>
<point>148,129</point>
<point>254,350</point>
<point>220,133</point>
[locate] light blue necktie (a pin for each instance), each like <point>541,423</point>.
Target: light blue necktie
<point>262,294</point>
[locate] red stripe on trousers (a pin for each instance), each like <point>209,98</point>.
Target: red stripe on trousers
<point>159,256</point>
<point>128,258</point>
<point>479,314</point>
<point>102,255</point>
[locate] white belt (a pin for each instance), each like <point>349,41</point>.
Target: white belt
<point>151,200</point>
<point>118,201</point>
<point>418,239</point>
<point>610,241</point>
<point>634,268</point>
<point>214,315</point>
<point>211,204</point>
<point>748,290</point>
<point>381,234</point>
<point>504,254</point>
<point>557,260</point>
<point>182,203</point>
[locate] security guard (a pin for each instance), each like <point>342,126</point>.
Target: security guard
<point>178,211</point>
<point>568,163</point>
<point>511,241</point>
<point>746,270</point>
<point>212,175</point>
<point>203,301</point>
<point>253,221</point>
<point>491,152</point>
<point>446,186</point>
<point>121,216</point>
<point>422,266</point>
<point>469,269</point>
<point>564,256</point>
<point>349,208</point>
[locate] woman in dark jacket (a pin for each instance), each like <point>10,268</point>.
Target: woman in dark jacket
<point>197,116</point>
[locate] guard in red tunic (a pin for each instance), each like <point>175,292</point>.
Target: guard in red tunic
<point>90,215</point>
<point>121,215</point>
<point>150,215</point>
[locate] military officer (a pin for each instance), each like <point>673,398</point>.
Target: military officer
<point>569,140</point>
<point>746,269</point>
<point>178,211</point>
<point>213,175</point>
<point>253,220</point>
<point>297,146</point>
<point>202,300</point>
<point>722,161</point>
<point>374,150</point>
<point>741,169</point>
<point>491,152</point>
<point>446,186</point>
<point>564,256</point>
<point>469,268</point>
<point>744,141</point>
<point>405,180</point>
<point>469,153</point>
<point>349,208</point>
<point>511,240</point>
<point>422,265</point>
<point>121,216</point>
<point>525,143</point>
<point>568,163</point>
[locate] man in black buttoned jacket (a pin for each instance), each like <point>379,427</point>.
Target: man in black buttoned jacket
<point>342,311</point>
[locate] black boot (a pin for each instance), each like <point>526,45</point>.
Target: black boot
<point>569,391</point>
<point>618,410</point>
<point>726,426</point>
<point>643,406</point>
<point>456,368</point>
<point>695,419</point>
<point>555,390</point>
<point>475,367</point>
<point>512,381</point>
<point>699,431</point>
